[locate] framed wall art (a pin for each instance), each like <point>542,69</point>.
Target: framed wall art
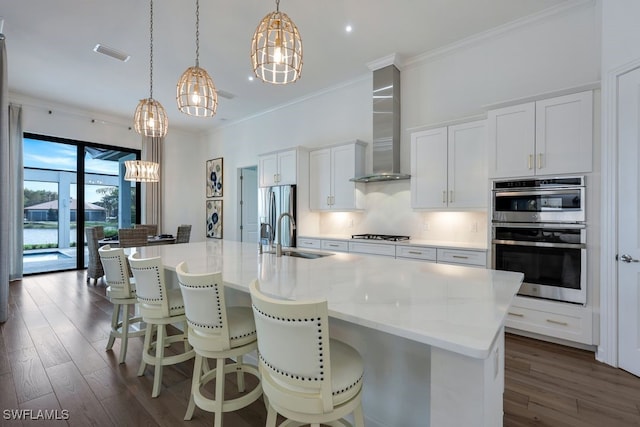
<point>214,177</point>
<point>214,219</point>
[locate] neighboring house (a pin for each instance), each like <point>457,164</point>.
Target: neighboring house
<point>48,211</point>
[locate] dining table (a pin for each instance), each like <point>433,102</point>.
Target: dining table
<point>163,239</point>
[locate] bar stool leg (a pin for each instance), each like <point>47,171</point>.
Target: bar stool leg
<point>115,319</point>
<point>220,377</point>
<point>157,373</point>
<point>195,385</point>
<point>124,334</point>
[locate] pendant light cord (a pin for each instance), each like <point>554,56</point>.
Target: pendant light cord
<point>197,33</point>
<point>151,51</point>
<point>277,5</point>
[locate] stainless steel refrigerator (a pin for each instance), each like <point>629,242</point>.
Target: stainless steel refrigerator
<point>272,202</point>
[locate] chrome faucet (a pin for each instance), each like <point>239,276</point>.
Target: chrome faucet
<point>279,231</point>
<point>269,234</point>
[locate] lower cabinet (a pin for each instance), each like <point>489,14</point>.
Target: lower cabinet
<point>305,242</point>
<point>416,252</point>
<point>462,257</point>
<point>335,245</point>
<point>373,248</point>
<point>468,257</point>
<point>553,319</point>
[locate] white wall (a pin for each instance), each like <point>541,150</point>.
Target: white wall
<point>540,56</point>
<point>620,52</point>
<point>557,52</point>
<point>620,33</point>
<point>182,171</point>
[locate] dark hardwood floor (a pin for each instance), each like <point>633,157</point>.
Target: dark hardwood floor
<point>52,358</point>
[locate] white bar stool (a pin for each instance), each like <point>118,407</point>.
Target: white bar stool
<point>159,307</point>
<point>217,332</point>
<point>306,376</point>
<point>121,291</point>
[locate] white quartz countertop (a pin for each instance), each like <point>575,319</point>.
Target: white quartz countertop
<point>456,308</point>
<point>410,242</point>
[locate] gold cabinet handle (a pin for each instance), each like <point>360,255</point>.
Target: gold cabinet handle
<point>460,257</point>
<point>515,314</point>
<point>555,322</point>
<point>539,160</point>
<point>444,196</point>
<point>530,161</point>
<point>415,253</point>
<point>450,196</point>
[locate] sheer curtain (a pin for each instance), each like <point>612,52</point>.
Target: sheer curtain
<point>152,151</point>
<point>11,190</point>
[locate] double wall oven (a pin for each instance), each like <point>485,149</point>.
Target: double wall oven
<point>539,229</point>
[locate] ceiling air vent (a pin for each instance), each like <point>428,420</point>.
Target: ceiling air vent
<point>225,94</point>
<point>109,51</point>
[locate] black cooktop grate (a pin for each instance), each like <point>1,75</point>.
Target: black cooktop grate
<point>387,237</point>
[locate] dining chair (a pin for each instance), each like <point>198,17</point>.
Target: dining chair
<point>306,376</point>
<point>183,234</point>
<point>159,307</point>
<point>218,332</point>
<point>121,291</point>
<point>133,237</point>
<point>95,270</point>
<point>152,229</point>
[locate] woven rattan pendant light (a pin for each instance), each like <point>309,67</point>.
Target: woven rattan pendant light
<point>276,49</point>
<point>196,94</point>
<point>142,171</point>
<point>151,118</point>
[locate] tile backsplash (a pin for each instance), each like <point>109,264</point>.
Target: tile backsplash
<point>388,211</point>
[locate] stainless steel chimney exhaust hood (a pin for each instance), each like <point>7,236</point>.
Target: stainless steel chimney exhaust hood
<point>386,127</point>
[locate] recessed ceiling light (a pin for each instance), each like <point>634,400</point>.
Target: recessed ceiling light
<point>114,53</point>
<point>348,28</point>
<point>250,78</point>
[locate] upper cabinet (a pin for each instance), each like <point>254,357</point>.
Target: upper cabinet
<point>449,167</point>
<point>330,171</point>
<point>549,136</point>
<point>278,168</point>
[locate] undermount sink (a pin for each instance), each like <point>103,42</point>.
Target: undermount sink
<point>307,255</point>
<point>302,254</point>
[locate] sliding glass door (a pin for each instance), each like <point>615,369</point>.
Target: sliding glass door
<point>69,185</point>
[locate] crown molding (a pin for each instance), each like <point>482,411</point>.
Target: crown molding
<point>496,32</point>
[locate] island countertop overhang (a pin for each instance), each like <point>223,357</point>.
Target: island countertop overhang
<point>456,308</point>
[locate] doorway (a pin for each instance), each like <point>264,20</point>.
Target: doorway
<point>248,204</point>
<point>628,251</point>
<point>70,185</point>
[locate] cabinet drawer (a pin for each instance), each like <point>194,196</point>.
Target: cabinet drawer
<point>304,242</point>
<point>460,256</point>
<point>372,249</point>
<point>570,326</point>
<point>427,254</point>
<point>335,245</point>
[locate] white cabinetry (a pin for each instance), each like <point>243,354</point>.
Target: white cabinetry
<point>373,248</point>
<point>278,168</point>
<point>416,252</point>
<point>305,242</point>
<point>330,170</point>
<point>335,245</point>
<point>549,136</point>
<point>462,256</point>
<point>554,319</point>
<point>449,167</point>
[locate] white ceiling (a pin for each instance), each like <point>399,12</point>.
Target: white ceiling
<point>50,46</point>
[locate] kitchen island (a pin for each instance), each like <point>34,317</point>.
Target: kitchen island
<point>432,336</point>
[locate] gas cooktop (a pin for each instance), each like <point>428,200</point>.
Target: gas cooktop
<point>387,237</point>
